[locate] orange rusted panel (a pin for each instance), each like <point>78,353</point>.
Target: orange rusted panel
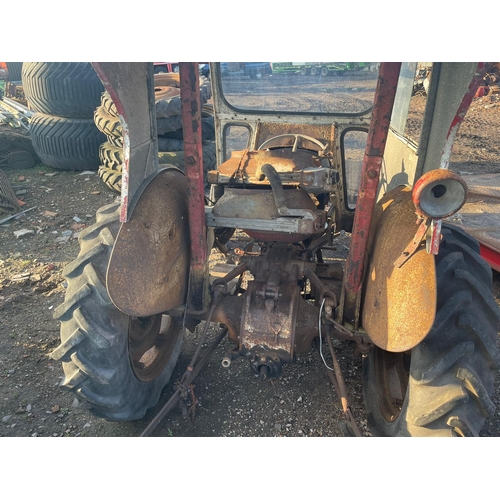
<point>246,166</point>
<point>399,304</point>
<point>149,265</point>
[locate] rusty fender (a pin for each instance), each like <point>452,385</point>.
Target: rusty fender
<point>398,304</point>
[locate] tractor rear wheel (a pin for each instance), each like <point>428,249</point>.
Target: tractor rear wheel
<point>117,363</point>
<point>443,386</point>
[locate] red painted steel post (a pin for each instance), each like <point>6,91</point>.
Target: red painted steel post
<point>370,174</point>
<point>191,123</point>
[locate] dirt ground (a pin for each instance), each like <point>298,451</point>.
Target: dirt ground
<point>231,402</point>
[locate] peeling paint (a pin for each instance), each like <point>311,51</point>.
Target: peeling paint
<point>460,114</point>
<point>372,162</point>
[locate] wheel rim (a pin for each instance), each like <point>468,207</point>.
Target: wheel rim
<point>391,373</point>
<point>151,343</point>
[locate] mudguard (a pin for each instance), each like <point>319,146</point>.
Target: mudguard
<point>149,265</point>
<point>399,304</point>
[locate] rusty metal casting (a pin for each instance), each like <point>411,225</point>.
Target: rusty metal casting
<point>399,303</point>
<point>269,315</point>
<point>271,321</point>
<point>193,155</point>
<point>370,174</point>
<point>153,247</point>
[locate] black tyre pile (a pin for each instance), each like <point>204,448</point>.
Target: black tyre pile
<point>64,96</point>
<point>169,129</point>
<point>16,149</point>
<point>14,69</point>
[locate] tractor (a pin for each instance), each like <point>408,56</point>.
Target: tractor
<point>299,165</point>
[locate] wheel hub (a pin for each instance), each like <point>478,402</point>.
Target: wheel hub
<point>151,342</point>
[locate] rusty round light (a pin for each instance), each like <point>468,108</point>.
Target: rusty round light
<point>439,193</point>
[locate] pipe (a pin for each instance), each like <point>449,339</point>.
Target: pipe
<point>18,107</point>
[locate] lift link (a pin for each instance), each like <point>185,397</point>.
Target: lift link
<point>188,377</point>
<point>182,386</point>
<point>340,388</point>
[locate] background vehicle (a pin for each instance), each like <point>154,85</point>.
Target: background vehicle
<point>414,295</point>
<point>169,67</point>
<point>166,67</point>
<point>321,68</point>
<point>251,69</point>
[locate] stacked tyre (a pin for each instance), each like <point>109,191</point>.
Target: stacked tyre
<point>64,96</point>
<point>14,69</point>
<point>16,149</point>
<point>169,129</point>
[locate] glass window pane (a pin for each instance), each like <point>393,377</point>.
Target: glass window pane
<point>354,146</point>
<point>300,87</point>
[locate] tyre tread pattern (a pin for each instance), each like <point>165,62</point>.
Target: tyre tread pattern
<point>66,143</point>
<point>110,170</point>
<point>94,341</point>
<point>453,369</point>
<point>67,89</point>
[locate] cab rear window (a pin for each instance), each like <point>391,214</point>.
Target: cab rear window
<point>325,87</point>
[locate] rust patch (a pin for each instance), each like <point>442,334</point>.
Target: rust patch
<point>399,304</point>
<point>149,264</point>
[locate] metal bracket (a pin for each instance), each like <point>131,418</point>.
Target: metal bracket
<point>429,229</point>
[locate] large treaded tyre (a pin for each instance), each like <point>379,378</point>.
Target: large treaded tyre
<point>68,89</point>
<point>107,121</point>
<point>99,344</point>
<point>15,139</point>
<point>15,71</point>
<point>108,105</point>
<point>110,170</point>
<point>19,160</point>
<point>66,143</point>
<point>108,124</point>
<point>443,387</point>
<point>167,79</point>
<point>176,158</point>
